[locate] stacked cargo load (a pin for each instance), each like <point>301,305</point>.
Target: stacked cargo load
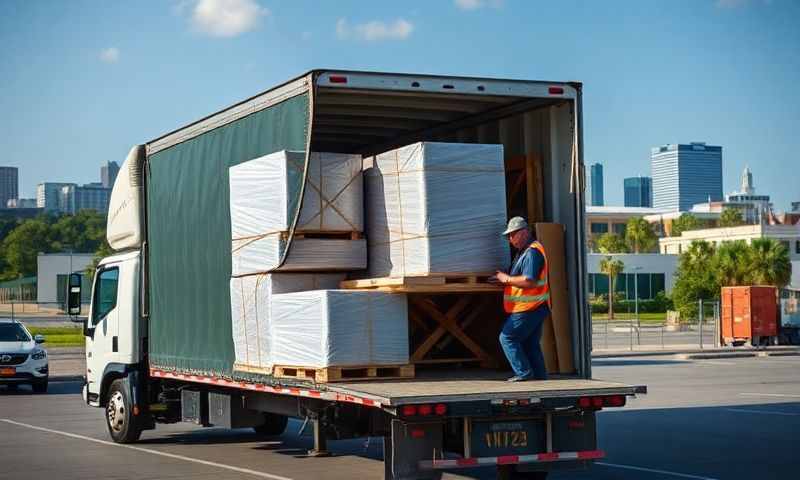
<point>251,297</point>
<point>263,201</point>
<point>436,208</point>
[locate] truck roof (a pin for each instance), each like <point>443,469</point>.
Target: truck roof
<point>452,93</point>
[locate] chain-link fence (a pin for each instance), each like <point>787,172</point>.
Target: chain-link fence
<point>651,331</point>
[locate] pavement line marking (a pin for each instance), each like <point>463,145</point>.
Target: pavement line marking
<point>147,450</point>
<point>711,362</point>
<point>653,470</point>
<point>780,395</point>
<point>765,412</point>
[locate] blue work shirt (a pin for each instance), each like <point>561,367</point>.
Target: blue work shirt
<point>529,263</point>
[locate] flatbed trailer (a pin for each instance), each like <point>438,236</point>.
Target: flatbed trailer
<point>158,336</point>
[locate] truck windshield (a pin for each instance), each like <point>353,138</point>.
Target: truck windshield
<point>13,332</point>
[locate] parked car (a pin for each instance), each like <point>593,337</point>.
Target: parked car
<point>23,360</point>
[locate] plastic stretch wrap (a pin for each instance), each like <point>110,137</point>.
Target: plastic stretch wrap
<point>250,310</point>
<point>436,208</point>
<point>263,195</point>
<point>324,328</point>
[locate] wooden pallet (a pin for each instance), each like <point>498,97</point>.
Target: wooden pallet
<point>433,283</point>
<point>326,235</point>
<point>344,374</point>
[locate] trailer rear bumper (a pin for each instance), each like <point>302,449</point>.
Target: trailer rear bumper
<point>446,464</point>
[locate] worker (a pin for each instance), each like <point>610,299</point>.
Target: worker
<point>526,299</point>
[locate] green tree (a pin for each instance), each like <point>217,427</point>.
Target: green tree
<point>769,263</point>
<point>611,243</point>
<point>685,222</point>
<point>639,235</point>
<point>612,268</point>
<point>731,263</point>
<point>695,278</point>
<point>83,232</point>
<point>731,217</point>
<point>22,246</point>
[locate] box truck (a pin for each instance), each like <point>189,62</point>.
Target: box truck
<point>158,331</point>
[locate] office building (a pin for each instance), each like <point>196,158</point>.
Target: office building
<point>754,208</point>
<point>21,203</point>
<point>92,196</point>
<point>48,196</point>
<point>684,175</point>
<point>108,174</point>
<point>9,183</point>
<point>595,196</point>
<point>638,192</point>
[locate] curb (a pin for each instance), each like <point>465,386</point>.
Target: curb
<point>694,354</point>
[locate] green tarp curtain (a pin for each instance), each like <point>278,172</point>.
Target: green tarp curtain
<point>189,234</point>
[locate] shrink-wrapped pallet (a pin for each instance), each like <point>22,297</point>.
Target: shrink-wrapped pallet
<point>263,199</point>
<point>436,208</point>
<point>250,311</point>
<point>324,328</point>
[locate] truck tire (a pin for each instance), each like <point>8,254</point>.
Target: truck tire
<point>40,387</point>
<point>273,425</point>
<point>122,424</point>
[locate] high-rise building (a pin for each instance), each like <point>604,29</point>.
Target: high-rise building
<point>92,196</point>
<point>48,195</point>
<point>638,192</point>
<point>596,185</point>
<point>754,208</point>
<point>684,175</point>
<point>9,183</point>
<point>108,174</point>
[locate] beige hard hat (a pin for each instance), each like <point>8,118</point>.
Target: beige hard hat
<point>516,223</point>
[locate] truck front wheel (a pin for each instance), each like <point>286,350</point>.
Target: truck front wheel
<point>274,424</point>
<point>123,425</point>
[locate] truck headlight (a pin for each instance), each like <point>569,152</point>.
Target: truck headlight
<point>38,354</point>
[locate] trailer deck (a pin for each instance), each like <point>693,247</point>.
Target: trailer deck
<point>478,385</point>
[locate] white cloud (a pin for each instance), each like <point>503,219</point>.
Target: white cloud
<point>476,4</point>
<point>109,55</point>
<point>375,30</point>
<point>227,18</point>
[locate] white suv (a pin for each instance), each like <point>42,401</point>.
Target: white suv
<point>22,359</point>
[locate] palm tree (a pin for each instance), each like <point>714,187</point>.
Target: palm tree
<point>731,217</point>
<point>639,235</point>
<point>731,263</point>
<point>769,263</point>
<point>612,268</point>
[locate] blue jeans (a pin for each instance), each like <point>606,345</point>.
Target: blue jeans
<point>520,339</point>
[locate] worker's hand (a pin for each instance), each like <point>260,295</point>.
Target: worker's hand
<point>499,277</point>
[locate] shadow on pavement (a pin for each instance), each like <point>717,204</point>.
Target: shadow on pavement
<point>54,388</point>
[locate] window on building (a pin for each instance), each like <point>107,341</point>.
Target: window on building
<point>657,283</point>
<point>797,246</point>
<point>598,228</point>
<point>619,229</point>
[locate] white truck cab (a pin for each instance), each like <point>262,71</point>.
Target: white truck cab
<point>113,332</point>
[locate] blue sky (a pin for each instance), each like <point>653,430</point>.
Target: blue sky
<point>83,81</point>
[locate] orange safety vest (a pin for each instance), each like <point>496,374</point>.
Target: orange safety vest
<point>517,299</point>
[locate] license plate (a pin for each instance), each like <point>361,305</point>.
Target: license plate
<point>491,438</point>
<point>8,371</point>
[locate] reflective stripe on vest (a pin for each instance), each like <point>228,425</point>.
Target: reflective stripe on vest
<point>517,299</point>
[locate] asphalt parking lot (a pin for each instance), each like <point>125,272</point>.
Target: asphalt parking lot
<point>703,419</point>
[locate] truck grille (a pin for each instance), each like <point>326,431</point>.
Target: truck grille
<point>13,358</point>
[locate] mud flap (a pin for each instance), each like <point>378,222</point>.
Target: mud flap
<point>407,444</point>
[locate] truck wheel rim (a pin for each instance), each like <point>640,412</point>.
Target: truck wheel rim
<point>116,412</point>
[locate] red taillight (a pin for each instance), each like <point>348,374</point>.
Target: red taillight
<point>409,410</point>
<point>615,401</point>
<point>555,91</point>
<point>417,433</point>
<point>425,410</point>
<point>440,409</point>
<point>597,402</point>
<point>337,79</point>
<point>584,402</point>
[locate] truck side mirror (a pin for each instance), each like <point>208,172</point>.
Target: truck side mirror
<point>38,338</point>
<point>74,294</point>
